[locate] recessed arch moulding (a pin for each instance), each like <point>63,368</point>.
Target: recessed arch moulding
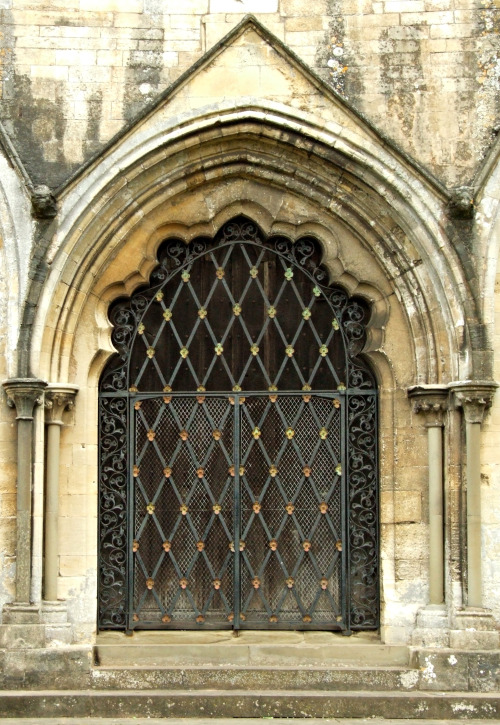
<point>296,160</point>
<point>287,182</point>
<point>374,241</point>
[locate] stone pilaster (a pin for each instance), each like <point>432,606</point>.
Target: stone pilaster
<point>21,628</point>
<point>432,626</point>
<point>474,626</point>
<point>24,394</point>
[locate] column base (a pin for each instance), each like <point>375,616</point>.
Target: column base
<point>35,626</point>
<point>58,630</point>
<point>432,627</point>
<point>54,612</point>
<point>21,613</point>
<point>474,628</point>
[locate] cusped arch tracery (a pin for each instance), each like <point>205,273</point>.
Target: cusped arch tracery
<point>149,316</point>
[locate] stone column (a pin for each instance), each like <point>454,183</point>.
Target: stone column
<point>431,402</point>
<point>24,394</point>
<point>58,399</point>
<point>474,625</point>
<point>474,399</point>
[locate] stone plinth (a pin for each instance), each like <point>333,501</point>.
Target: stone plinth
<point>474,628</point>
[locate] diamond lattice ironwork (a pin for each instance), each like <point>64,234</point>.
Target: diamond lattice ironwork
<point>238,444</point>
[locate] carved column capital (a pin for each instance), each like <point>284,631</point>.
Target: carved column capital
<point>474,398</point>
<point>23,394</point>
<point>430,400</point>
<point>58,399</point>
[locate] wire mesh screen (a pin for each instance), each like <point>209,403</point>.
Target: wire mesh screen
<point>184,511</point>
<point>291,514</point>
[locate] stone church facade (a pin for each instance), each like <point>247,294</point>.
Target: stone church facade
<point>366,130</point>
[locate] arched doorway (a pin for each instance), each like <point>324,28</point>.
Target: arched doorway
<point>238,444</point>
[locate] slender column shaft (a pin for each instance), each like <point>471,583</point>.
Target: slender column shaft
<point>52,511</point>
<point>24,473</point>
<point>436,517</point>
<point>431,402</point>
<point>59,398</point>
<point>473,443</point>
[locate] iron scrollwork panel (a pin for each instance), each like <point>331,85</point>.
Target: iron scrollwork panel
<point>113,465</point>
<point>292,512</point>
<point>363,510</point>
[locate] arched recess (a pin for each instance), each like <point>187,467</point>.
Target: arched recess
<point>378,220</point>
<point>385,215</point>
<point>238,410</point>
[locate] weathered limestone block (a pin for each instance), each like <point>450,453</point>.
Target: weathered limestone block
<point>474,628</point>
<point>407,507</point>
<point>22,636</point>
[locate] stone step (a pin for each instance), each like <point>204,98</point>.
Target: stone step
<point>272,649</point>
<point>251,704</point>
<point>256,678</point>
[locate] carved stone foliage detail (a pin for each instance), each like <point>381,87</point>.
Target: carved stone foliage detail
<point>431,403</point>
<point>23,394</point>
<point>474,399</point>
<point>58,401</point>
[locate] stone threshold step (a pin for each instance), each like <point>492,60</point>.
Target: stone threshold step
<point>251,704</point>
<point>302,655</point>
<point>229,721</point>
<point>256,678</point>
<point>348,667</point>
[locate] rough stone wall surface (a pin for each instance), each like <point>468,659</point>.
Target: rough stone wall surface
<point>74,72</point>
<point>427,72</point>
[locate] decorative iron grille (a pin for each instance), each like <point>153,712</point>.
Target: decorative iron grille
<point>238,446</point>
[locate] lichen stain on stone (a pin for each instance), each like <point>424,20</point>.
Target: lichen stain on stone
<point>332,55</point>
<point>487,74</point>
<point>6,52</point>
<point>409,679</point>
<point>94,117</point>
<point>402,82</point>
<point>145,74</point>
